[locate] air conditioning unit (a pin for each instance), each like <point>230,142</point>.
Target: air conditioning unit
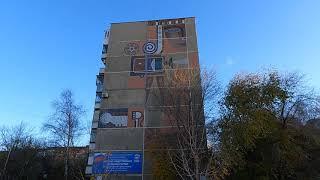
<point>105,95</point>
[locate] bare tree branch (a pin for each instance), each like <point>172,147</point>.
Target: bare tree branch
<point>64,124</point>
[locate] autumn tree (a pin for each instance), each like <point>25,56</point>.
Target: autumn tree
<point>64,124</point>
<point>182,98</point>
<point>261,129</point>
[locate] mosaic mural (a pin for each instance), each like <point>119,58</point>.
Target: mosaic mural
<point>131,48</point>
<point>174,31</point>
<point>113,118</point>
<point>136,117</point>
<point>151,47</point>
<point>175,62</point>
<point>161,39</point>
<point>140,65</point>
<point>121,118</point>
<point>141,58</point>
<point>165,48</point>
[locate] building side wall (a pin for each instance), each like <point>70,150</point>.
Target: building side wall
<point>128,114</point>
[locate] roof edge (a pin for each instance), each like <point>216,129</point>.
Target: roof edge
<point>165,19</point>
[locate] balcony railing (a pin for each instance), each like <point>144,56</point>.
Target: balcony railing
<point>98,97</point>
<point>101,71</point>
<point>97,106</point>
<point>99,83</point>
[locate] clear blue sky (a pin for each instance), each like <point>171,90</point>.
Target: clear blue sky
<point>47,46</point>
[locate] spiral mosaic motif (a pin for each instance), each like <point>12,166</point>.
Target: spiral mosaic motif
<point>149,48</point>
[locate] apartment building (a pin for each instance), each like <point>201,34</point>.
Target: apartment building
<point>127,115</point>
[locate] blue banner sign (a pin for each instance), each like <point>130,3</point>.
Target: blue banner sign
<point>117,163</point>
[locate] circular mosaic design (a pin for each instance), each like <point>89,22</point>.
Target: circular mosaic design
<point>149,48</point>
<point>131,49</point>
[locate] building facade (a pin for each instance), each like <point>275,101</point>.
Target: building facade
<point>127,114</point>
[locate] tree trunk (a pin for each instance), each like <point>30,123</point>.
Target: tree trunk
<point>7,160</point>
<point>197,169</point>
<point>66,163</point>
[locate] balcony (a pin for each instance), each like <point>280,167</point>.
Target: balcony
<point>103,55</point>
<point>104,60</point>
<point>97,106</point>
<point>105,49</point>
<point>95,125</point>
<point>99,88</point>
<point>105,46</point>
<point>99,83</point>
<point>96,116</point>
<point>106,36</point>
<point>93,136</point>
<point>98,97</point>
<point>101,71</point>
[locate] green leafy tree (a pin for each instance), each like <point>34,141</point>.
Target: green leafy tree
<point>261,130</point>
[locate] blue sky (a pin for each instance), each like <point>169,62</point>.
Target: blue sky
<point>47,46</point>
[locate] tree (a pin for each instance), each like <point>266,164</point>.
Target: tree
<point>261,129</point>
<point>64,124</point>
<point>20,152</point>
<point>162,166</point>
<point>182,97</point>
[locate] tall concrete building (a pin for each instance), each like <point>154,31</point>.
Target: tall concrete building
<point>126,114</point>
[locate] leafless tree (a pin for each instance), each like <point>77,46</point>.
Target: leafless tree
<point>64,124</point>
<point>299,102</point>
<point>21,150</point>
<point>188,99</point>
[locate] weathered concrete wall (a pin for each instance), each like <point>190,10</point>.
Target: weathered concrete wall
<point>119,139</point>
<point>136,63</point>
